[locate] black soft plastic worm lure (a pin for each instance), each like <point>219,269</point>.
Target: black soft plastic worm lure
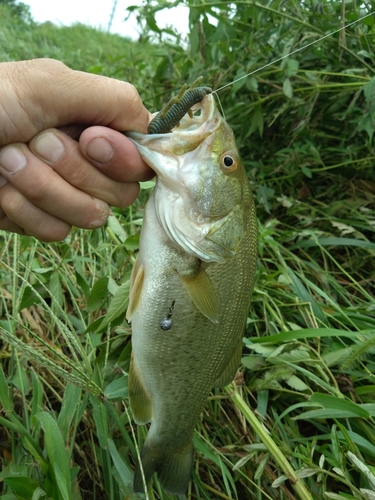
<point>177,107</point>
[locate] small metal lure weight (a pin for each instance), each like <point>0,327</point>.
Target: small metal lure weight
<point>166,323</point>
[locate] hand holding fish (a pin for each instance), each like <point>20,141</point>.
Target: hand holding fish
<point>48,180</point>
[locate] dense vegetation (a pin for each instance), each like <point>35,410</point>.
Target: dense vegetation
<point>299,422</point>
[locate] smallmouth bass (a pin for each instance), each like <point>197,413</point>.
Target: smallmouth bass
<point>190,287</point>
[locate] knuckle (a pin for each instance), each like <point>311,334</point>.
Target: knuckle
<point>134,100</point>
<point>79,175</point>
<point>39,193</point>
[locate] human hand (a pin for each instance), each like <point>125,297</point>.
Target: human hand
<point>48,180</point>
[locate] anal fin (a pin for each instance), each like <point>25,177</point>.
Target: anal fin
<point>140,401</point>
<point>202,293</point>
<point>230,370</point>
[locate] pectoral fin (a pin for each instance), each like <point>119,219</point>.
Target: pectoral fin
<point>203,294</point>
<point>230,370</point>
<point>136,284</point>
<point>140,402</point>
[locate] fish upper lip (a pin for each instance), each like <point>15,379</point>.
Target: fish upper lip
<point>191,126</point>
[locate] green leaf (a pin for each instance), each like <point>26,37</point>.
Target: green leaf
<point>38,394</point>
<point>125,473</point>
<point>336,357</point>
<point>296,383</point>
<point>5,401</point>
<point>150,19</point>
<point>240,80</point>
<point>333,403</point>
<point>112,286</point>
<point>253,362</point>
<point>264,195</point>
<point>252,84</point>
<point>38,493</point>
<point>256,122</point>
<point>132,242</point>
<point>98,295</point>
<point>363,468</point>
<point>29,298</point>
<point>101,422</point>
<point>343,412</point>
<point>57,454</point>
<point>261,466</point>
<point>306,171</point>
<point>365,389</point>
<point>147,184</point>
<point>22,486</point>
<point>369,91</point>
<point>326,242</point>
<point>117,228</point>
<point>21,380</point>
<point>55,288</point>
<point>293,356</point>
<point>335,496</point>
<point>62,485</point>
<point>287,88</point>
<point>13,470</point>
<point>301,291</point>
<point>70,404</point>
<point>307,333</point>
<point>82,283</point>
<point>117,306</point>
<point>292,66</point>
<point>324,413</point>
<point>194,34</point>
<point>118,389</point>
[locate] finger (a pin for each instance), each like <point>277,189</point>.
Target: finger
<point>114,154</point>
<point>44,188</point>
<point>64,156</point>
<point>49,94</point>
<point>18,215</point>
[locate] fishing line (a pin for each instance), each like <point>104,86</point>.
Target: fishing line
<point>291,53</point>
<point>220,105</point>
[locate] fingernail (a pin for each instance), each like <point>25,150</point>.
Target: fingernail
<point>49,147</point>
<point>100,150</point>
<point>12,160</point>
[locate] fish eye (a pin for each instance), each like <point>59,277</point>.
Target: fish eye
<point>228,162</point>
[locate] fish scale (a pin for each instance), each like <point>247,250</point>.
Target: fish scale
<point>198,250</point>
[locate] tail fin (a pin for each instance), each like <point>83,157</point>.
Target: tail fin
<point>173,469</point>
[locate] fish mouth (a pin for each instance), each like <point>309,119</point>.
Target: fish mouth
<point>202,112</point>
<point>185,136</point>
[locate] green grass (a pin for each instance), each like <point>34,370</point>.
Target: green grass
<point>299,421</point>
